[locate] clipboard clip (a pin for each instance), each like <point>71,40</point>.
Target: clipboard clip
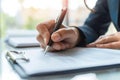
<point>15,55</point>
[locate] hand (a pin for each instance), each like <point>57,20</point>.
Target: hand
<point>110,41</point>
<point>64,38</point>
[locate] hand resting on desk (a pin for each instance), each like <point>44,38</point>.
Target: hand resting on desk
<point>109,41</point>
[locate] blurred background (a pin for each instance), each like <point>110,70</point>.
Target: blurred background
<point>16,15</point>
<point>20,17</point>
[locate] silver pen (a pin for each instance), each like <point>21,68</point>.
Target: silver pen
<point>58,23</point>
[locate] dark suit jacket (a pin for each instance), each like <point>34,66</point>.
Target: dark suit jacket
<point>97,23</point>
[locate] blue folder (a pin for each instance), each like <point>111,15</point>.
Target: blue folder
<point>64,62</point>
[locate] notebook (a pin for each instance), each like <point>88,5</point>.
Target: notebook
<point>20,42</point>
<point>63,62</point>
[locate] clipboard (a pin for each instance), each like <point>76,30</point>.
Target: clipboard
<point>33,63</point>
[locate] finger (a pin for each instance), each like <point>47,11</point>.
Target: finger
<point>49,24</point>
<point>103,40</point>
<point>106,39</point>
<point>62,34</point>
<point>40,39</point>
<point>93,43</point>
<point>112,45</point>
<point>43,31</point>
<point>60,46</point>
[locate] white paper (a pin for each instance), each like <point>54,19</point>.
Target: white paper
<point>89,76</point>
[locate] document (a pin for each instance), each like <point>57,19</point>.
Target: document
<point>68,61</point>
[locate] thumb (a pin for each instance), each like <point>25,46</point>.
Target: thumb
<point>62,34</point>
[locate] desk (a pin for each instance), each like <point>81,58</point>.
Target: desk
<point>9,74</point>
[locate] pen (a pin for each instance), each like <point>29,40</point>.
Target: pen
<point>58,23</point>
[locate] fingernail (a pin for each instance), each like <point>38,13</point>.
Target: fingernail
<point>90,44</point>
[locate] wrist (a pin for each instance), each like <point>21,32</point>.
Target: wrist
<point>81,37</point>
<point>77,34</point>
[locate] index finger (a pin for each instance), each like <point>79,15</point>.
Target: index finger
<point>106,39</point>
<point>44,28</point>
<point>48,25</point>
<point>103,40</point>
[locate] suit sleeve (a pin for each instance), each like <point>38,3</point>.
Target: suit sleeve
<point>97,23</point>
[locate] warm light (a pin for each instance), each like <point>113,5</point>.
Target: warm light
<point>43,4</point>
<point>12,7</point>
<point>74,4</point>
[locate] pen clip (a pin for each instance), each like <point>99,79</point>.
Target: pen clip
<point>15,55</point>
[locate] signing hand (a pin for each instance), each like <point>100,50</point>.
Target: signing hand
<point>63,38</point>
<point>110,41</point>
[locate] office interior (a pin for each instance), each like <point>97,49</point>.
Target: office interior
<point>19,18</point>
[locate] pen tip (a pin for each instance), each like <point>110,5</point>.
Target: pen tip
<point>46,49</point>
<point>45,52</point>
